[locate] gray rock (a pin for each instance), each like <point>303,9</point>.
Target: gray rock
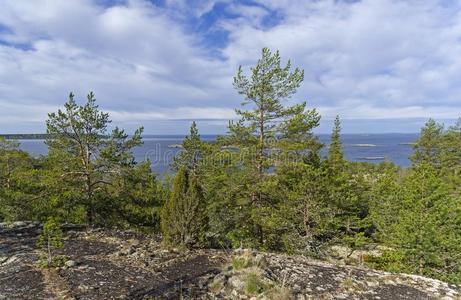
<point>237,283</point>
<point>18,224</point>
<point>260,260</point>
<point>296,289</point>
<point>70,263</point>
<point>372,283</point>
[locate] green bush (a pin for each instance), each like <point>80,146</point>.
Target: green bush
<point>49,242</point>
<point>391,261</point>
<point>183,218</point>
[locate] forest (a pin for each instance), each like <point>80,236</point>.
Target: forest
<point>264,185</point>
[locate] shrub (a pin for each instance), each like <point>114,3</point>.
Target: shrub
<point>49,242</point>
<point>183,217</point>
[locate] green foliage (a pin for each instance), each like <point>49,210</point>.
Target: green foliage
<point>264,185</point>
<point>241,262</point>
<point>267,134</point>
<point>89,175</point>
<point>424,230</point>
<point>389,260</point>
<point>306,214</point>
<point>86,160</point>
<point>135,199</point>
<point>20,185</point>
<point>427,148</point>
<point>183,217</point>
<point>253,283</point>
<point>227,189</point>
<point>420,220</point>
<point>192,152</point>
<point>49,242</point>
<point>335,152</point>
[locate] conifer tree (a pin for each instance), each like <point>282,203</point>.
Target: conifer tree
<point>427,147</point>
<point>191,153</point>
<point>20,188</point>
<point>305,212</point>
<point>49,242</point>
<point>183,215</point>
<point>268,87</point>
<point>134,198</point>
<point>84,155</point>
<point>450,157</point>
<point>427,234</point>
<point>268,127</point>
<point>335,152</point>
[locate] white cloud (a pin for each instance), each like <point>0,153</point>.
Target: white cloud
<point>368,60</point>
<point>197,8</point>
<point>384,53</point>
<point>180,113</point>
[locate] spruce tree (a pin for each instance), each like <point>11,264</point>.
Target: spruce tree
<point>335,152</point>
<point>191,153</point>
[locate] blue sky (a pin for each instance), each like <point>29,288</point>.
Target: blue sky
<point>382,65</point>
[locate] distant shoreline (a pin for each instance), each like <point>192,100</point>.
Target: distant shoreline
<point>43,136</point>
<point>25,136</point>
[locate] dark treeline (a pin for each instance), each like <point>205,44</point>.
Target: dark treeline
<point>263,185</point>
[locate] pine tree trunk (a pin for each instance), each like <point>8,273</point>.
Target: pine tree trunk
<point>89,196</point>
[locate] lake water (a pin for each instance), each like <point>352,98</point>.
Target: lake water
<point>357,147</point>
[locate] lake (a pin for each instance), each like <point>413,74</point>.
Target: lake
<point>373,148</point>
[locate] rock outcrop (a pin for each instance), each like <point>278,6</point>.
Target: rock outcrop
<point>111,264</point>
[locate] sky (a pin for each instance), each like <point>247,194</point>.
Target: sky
<point>382,65</point>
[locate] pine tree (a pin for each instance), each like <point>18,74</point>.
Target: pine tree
<point>427,147</point>
<point>267,128</point>
<point>269,85</point>
<point>84,155</point>
<point>183,215</point>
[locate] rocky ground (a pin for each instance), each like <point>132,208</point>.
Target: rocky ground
<point>109,264</point>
